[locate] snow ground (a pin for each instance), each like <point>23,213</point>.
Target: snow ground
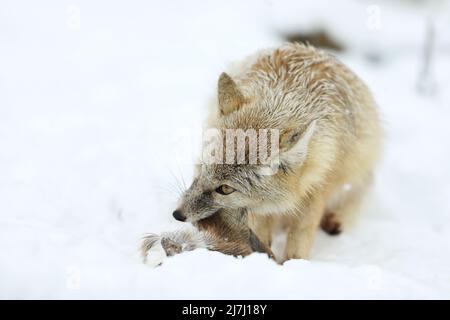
<point>98,119</point>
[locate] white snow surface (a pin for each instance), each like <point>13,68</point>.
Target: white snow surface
<point>101,103</point>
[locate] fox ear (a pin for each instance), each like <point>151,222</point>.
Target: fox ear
<point>230,98</point>
<point>293,150</point>
<point>294,144</point>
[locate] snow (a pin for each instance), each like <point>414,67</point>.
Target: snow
<point>99,125</point>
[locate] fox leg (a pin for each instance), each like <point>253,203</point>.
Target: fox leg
<point>262,226</point>
<point>302,231</point>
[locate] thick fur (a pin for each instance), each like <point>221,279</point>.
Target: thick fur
<point>330,140</point>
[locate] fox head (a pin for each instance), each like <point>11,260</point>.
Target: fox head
<point>262,187</point>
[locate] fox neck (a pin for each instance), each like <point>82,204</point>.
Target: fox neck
<point>283,206</point>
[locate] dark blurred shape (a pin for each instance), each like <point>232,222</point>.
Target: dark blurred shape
<point>426,84</point>
<point>319,39</point>
<point>373,56</point>
<point>178,215</point>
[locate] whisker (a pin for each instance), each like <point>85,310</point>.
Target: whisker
<point>177,182</point>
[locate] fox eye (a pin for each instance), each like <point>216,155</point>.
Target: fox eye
<point>225,189</point>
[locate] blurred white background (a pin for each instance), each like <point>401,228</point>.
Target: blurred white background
<point>101,103</point>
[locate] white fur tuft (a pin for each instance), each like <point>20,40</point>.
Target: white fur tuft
<point>155,255</point>
<point>297,154</point>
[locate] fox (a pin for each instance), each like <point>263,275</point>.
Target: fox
<point>328,144</point>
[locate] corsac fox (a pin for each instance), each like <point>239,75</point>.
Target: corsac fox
<point>328,142</point>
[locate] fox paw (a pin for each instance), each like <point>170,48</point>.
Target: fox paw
<point>330,224</point>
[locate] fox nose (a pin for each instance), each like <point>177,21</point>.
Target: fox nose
<point>178,215</point>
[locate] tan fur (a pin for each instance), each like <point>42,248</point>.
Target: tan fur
<point>330,138</point>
